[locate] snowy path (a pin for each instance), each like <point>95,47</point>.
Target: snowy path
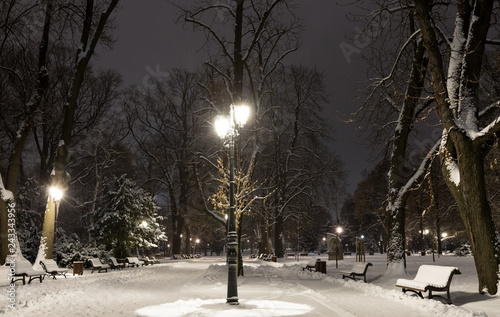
<point>113,293</point>
<point>198,288</point>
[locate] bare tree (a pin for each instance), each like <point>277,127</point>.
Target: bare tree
<point>300,163</point>
<point>469,122</point>
<point>92,30</point>
<point>12,25</point>
<point>395,103</point>
<point>464,135</point>
<point>246,37</point>
<point>167,122</point>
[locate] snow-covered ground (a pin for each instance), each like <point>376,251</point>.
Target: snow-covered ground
<point>198,287</point>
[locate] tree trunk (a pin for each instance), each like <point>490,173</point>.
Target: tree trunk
<point>88,43</point>
<point>398,189</point>
<point>238,64</point>
<point>278,237</point>
<point>15,159</point>
<point>475,210</point>
<point>177,226</point>
<point>396,259</point>
<point>264,245</point>
<point>461,156</point>
<point>187,242</point>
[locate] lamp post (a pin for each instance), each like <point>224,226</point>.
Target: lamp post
<point>56,193</point>
<point>444,235</point>
<point>337,247</point>
<point>197,242</point>
<point>227,129</point>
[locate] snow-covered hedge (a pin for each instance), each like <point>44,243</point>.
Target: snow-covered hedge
<point>70,249</point>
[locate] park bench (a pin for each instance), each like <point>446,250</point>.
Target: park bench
<point>146,260</point>
<point>311,265</point>
<point>24,270</point>
<point>430,278</point>
<point>113,262</point>
<point>97,265</point>
<point>52,269</point>
<point>358,269</point>
<point>267,257</point>
<point>134,261</point>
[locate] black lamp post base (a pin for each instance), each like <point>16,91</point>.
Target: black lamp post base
<point>232,301</point>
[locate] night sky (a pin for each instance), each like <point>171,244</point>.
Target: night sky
<point>149,42</point>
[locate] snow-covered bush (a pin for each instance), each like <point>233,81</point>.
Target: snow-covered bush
<point>70,249</point>
<point>464,250</point>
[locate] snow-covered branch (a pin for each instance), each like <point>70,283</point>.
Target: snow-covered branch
<point>420,171</point>
<point>391,74</point>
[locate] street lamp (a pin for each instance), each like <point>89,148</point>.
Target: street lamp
<point>197,242</point>
<point>56,193</point>
<point>227,129</point>
<point>444,235</point>
<point>339,230</point>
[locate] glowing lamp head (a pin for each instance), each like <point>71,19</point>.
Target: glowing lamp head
<point>241,114</point>
<point>56,193</point>
<point>222,126</point>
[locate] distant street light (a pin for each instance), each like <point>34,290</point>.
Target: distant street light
<point>444,235</point>
<point>337,246</point>
<point>227,129</point>
<point>197,242</point>
<point>56,193</point>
